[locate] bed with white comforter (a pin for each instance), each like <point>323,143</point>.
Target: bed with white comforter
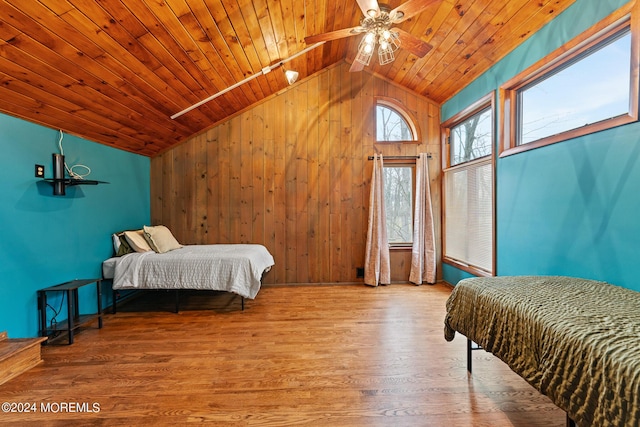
<point>236,268</point>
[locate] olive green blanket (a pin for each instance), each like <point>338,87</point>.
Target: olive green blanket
<point>576,341</point>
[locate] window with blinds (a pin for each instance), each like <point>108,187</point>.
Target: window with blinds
<point>468,189</point>
<point>469,215</point>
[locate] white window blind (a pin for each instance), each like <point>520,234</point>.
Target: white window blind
<point>469,219</point>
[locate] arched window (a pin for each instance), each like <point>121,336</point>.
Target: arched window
<point>393,123</point>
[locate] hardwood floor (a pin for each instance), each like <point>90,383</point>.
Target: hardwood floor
<point>303,355</point>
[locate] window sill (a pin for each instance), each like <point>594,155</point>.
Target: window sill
<point>468,268</point>
<point>571,134</point>
<point>398,142</point>
<point>406,247</point>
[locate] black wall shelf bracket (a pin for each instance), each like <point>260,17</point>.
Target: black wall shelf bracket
<point>59,182</point>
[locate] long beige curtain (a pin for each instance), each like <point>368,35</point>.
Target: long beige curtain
<point>377,268</point>
<point>423,253</point>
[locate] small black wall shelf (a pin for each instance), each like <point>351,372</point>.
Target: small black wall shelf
<point>73,181</point>
<point>59,182</point>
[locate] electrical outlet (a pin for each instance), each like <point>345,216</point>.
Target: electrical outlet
<point>39,171</point>
<point>359,272</point>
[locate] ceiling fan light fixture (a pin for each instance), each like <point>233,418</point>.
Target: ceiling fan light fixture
<point>394,41</point>
<point>370,38</point>
<point>377,26</point>
<point>364,58</point>
<point>385,55</point>
<point>365,50</point>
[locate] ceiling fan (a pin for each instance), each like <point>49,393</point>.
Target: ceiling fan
<point>377,25</point>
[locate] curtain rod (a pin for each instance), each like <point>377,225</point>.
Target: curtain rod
<point>401,157</point>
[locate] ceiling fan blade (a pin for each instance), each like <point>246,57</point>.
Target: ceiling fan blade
<point>367,5</point>
<point>333,35</point>
<point>412,44</point>
<point>409,9</point>
<point>356,66</point>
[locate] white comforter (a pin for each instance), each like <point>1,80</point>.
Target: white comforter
<point>231,268</point>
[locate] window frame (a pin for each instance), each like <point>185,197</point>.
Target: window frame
<point>397,107</point>
<point>476,111</point>
<point>488,101</point>
<point>571,51</point>
<point>408,163</point>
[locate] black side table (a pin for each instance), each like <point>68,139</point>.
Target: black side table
<point>74,319</point>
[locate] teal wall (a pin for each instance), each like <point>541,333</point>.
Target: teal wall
<point>570,208</point>
<point>46,239</point>
<point>453,275</point>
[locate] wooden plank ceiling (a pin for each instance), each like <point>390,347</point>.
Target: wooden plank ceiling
<point>115,71</point>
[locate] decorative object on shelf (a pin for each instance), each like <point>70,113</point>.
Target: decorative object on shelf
<point>58,174</point>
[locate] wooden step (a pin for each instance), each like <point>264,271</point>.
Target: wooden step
<point>18,355</point>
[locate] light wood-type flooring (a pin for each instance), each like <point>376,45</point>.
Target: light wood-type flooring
<point>342,355</point>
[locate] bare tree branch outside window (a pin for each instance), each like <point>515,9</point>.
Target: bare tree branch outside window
<point>398,199</point>
<point>391,125</point>
<point>471,139</point>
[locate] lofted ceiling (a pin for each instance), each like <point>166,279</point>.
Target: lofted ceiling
<point>115,71</point>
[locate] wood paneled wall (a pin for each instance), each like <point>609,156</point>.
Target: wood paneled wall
<point>292,174</point>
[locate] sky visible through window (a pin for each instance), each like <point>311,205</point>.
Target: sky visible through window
<point>391,126</point>
<point>594,88</point>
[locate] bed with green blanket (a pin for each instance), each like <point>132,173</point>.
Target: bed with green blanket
<point>576,341</point>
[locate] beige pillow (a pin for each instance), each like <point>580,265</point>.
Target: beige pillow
<point>137,241</point>
<point>160,239</point>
